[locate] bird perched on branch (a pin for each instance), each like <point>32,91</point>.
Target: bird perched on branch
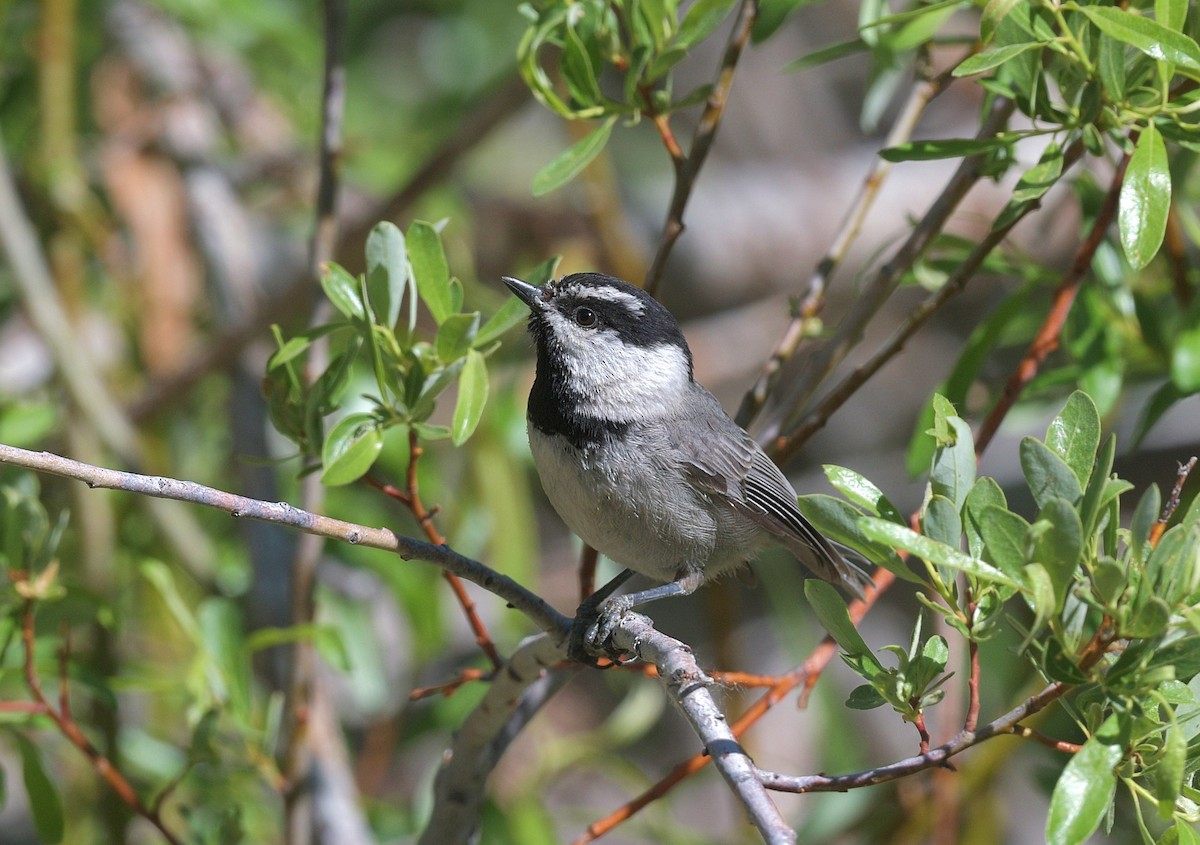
<point>641,461</point>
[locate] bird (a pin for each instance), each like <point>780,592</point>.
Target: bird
<point>641,461</point>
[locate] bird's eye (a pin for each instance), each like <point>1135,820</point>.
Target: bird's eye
<point>585,317</point>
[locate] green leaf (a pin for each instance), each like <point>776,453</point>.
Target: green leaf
<point>1145,199</point>
<point>826,55</point>
<point>834,618</point>
<point>1041,598</point>
<point>1040,178</point>
<point>865,697</point>
<point>701,19</point>
<point>512,312</point>
<point>995,57</point>
<point>159,576</point>
<point>350,449</point>
<point>993,13</point>
<point>839,521</point>
<point>859,490</point>
<point>945,148</point>
<point>1057,541</point>
<point>325,638</point>
<point>342,290</point>
<point>472,396</point>
<point>1185,362</point>
<point>45,802</point>
<point>430,270</point>
<point>1047,475</point>
<point>1083,793</point>
<point>1149,36</point>
<point>984,493</point>
<point>939,554</point>
<point>288,351</point>
<point>456,335</point>
<point>771,15</point>
<point>1171,13</point>
<point>1074,435</point>
<point>387,271</point>
<point>941,521</point>
<point>1004,535</point>
<point>568,164</point>
<point>953,470</point>
<point>1144,517</point>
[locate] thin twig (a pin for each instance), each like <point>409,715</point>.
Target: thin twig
<point>74,734</point>
<point>933,758</point>
<point>687,169</point>
<point>1049,742</point>
<point>812,371</point>
<point>923,92</point>
<point>1047,338</point>
<point>297,753</point>
<point>425,518</point>
<point>448,688</point>
<point>1181,477</point>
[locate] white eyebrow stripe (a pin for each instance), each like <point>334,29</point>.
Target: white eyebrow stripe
<point>605,294</point>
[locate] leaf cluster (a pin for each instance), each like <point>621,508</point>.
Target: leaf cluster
<point>376,325</point>
<point>1103,608</point>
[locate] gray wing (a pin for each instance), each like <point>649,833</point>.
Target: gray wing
<point>729,466</point>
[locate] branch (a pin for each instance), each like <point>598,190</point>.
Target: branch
<point>281,513</point>
<point>787,443</point>
<point>687,169</point>
<point>923,92</point>
<point>1047,338</point>
<point>514,696</point>
<point>804,676</point>
<point>688,687</point>
<point>299,752</point>
<point>813,369</point>
<point>71,731</point>
<point>934,758</point>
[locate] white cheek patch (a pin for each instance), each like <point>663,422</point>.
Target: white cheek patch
<point>618,381</point>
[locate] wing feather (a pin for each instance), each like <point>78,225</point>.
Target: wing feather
<point>730,467</point>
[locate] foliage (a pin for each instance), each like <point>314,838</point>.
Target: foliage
<point>125,671</point>
<point>1104,608</point>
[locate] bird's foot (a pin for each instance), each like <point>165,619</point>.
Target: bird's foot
<point>592,630</point>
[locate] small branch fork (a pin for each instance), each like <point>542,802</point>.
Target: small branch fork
<point>71,730</point>
<point>410,497</point>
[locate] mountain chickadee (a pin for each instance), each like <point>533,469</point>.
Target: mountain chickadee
<point>641,461</point>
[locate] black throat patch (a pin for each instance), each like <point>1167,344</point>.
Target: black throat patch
<point>553,406</point>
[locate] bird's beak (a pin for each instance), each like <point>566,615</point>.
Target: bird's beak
<point>527,293</point>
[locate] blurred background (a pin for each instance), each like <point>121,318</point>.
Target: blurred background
<point>165,159</point>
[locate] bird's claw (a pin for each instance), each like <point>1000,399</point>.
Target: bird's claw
<point>591,633</point>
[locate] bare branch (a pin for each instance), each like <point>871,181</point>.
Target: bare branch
<point>514,697</point>
<point>922,93</point>
<point>935,757</point>
<point>299,752</point>
<point>688,686</point>
<point>813,369</point>
<point>281,513</point>
<point>687,169</point>
<point>1047,338</point>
